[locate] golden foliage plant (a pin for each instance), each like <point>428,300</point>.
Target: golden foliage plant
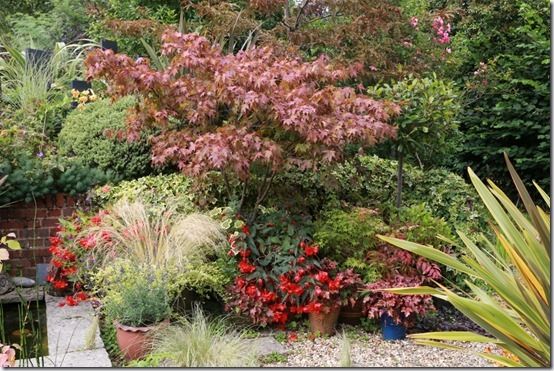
<point>516,311</point>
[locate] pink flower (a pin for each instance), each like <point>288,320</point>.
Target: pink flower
<point>414,21</point>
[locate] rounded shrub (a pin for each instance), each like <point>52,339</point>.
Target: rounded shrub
<point>83,137</point>
<point>348,234</point>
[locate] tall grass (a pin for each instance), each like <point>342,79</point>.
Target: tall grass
<point>200,342</point>
<point>161,240</point>
<point>27,85</point>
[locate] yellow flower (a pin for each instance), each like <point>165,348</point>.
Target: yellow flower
<point>74,93</point>
<point>92,98</point>
<point>85,92</point>
<point>83,99</point>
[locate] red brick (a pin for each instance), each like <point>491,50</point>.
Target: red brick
<point>68,211</point>
<point>12,225</point>
<point>41,252</point>
<point>54,213</point>
<point>20,263</point>
<point>60,200</point>
<point>49,222</point>
<point>70,201</point>
<point>16,254</point>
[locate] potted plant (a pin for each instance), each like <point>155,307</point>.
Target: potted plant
<point>330,289</point>
<point>352,312</point>
<point>137,300</point>
<point>347,236</point>
<point>396,312</point>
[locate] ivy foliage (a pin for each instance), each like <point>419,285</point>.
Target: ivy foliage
<point>157,191</point>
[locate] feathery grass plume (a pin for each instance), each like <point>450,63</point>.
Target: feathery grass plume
<point>90,336</point>
<point>204,342</point>
<point>345,351</point>
<point>167,239</point>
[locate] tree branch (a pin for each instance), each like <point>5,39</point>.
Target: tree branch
<point>243,194</point>
<point>300,11</point>
<point>227,185</point>
<point>262,193</point>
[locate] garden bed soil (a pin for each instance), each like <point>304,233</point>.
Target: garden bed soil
<point>446,318</point>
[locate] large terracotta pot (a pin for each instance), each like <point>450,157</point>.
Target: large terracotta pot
<point>134,342</point>
<point>324,323</point>
<point>351,315</point>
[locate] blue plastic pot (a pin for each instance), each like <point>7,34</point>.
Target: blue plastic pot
<point>391,330</point>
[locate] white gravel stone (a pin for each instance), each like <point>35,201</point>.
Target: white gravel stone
<point>370,350</point>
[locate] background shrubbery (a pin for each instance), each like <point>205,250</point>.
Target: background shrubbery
<point>370,181</point>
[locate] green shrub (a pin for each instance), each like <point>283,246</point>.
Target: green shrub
<point>427,125</point>
<point>504,49</point>
<point>156,191</point>
<point>348,234</point>
<point>370,181</point>
<point>30,177</point>
<point>134,295</point>
<point>205,279</point>
<point>64,21</point>
<point>158,14</point>
<point>422,227</point>
<point>83,136</point>
<point>370,272</point>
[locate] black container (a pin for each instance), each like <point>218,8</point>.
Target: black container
<point>37,57</point>
<point>109,44</point>
<point>80,85</point>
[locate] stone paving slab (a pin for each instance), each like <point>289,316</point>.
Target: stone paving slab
<point>28,294</point>
<point>68,326</point>
<point>265,345</point>
<point>86,358</point>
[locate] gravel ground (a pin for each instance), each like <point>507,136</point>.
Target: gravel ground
<point>370,350</point>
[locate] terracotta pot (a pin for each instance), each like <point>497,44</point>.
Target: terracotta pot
<point>351,315</point>
<point>324,323</point>
<point>134,342</point>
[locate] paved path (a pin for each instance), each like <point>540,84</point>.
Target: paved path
<point>68,329</point>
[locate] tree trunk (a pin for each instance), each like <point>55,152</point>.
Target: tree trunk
<point>399,178</point>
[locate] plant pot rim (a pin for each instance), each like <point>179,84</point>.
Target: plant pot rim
<point>123,327</point>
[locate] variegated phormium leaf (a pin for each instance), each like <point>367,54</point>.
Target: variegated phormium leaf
<point>517,313</point>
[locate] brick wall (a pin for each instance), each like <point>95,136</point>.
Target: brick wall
<point>33,224</point>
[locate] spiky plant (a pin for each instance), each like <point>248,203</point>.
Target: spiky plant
<point>517,270</point>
